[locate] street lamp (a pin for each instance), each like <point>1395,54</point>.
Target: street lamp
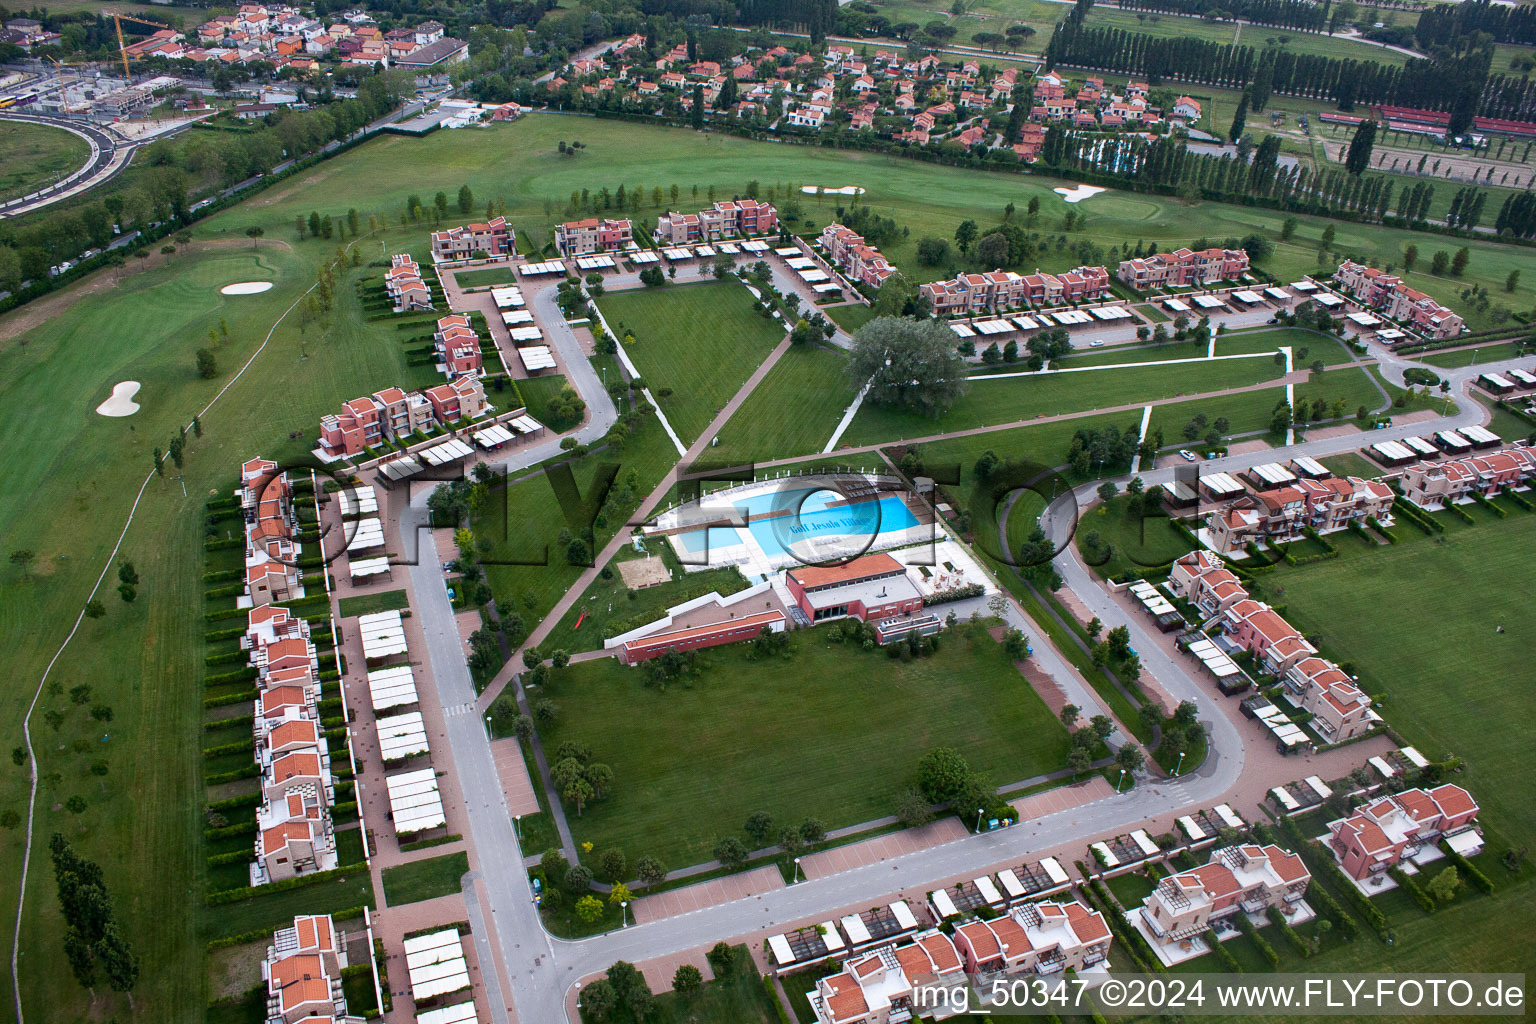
<point>1179,765</point>
<point>517,826</point>
<point>1122,780</point>
<point>979,812</point>
<point>624,912</point>
<point>488,728</point>
<point>797,871</point>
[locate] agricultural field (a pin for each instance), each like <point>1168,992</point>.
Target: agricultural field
<point>864,730</point>
<point>35,155</point>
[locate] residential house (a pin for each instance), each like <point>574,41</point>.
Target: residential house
<point>877,987</point>
<point>1187,108</point>
<point>403,284</point>
<point>495,239</point>
<point>458,346</point>
<point>1274,642</point>
<point>1286,513</point>
<point>741,218</point>
<point>1427,484</point>
<point>580,237</point>
<point>1247,878</point>
<point>302,974</point>
<point>1203,579</point>
<point>863,263</point>
<point>1396,826</point>
<point>1183,267</point>
<point>1340,709</point>
<point>1388,294</point>
<point>364,423</point>
<point>462,398</point>
<point>1035,938</point>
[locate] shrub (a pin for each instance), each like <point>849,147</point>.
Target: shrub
<point>1297,942</point>
<point>1410,885</point>
<point>1259,942</point>
<point>1468,870</point>
<point>1222,954</point>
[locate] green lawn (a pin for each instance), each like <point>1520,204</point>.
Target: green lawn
<point>611,608</point>
<point>738,998</point>
<point>793,411</point>
<point>851,317</point>
<point>991,400</point>
<point>35,155</point>
<point>424,879</point>
<point>367,604</point>
<point>1489,353</point>
<point>700,340</point>
<point>485,278</point>
<point>1408,641</point>
<point>1350,464</point>
<point>1125,541</point>
<point>692,762</point>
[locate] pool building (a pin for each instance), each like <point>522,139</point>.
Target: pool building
<point>869,588</point>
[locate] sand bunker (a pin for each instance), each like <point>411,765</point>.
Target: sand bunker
<point>1077,195</point>
<point>846,190</point>
<point>121,403</point>
<point>248,287</point>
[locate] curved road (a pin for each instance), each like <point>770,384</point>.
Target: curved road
<point>108,157</point>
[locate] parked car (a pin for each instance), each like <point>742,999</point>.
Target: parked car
<point>1273,320</point>
<point>1186,455</point>
<point>1096,343</point>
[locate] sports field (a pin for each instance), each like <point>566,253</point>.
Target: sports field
<point>691,763</point>
<point>34,155</point>
<point>701,341</point>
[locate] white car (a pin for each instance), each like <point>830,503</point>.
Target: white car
<point>1186,455</point>
<point>1096,343</point>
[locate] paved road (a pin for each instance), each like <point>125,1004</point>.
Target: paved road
<point>542,969</point>
<point>108,156</point>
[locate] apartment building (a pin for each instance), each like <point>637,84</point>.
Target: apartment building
<point>494,239</point>
<point>1183,267</point>
<point>1285,513</point>
<point>877,987</point>
<point>1427,483</point>
<point>1003,289</point>
<point>1388,294</point>
<point>294,836</point>
<point>1035,938</point>
<point>580,237</point>
<point>1396,827</point>
<point>458,346</point>
<point>1247,878</point>
<point>403,284</point>
<point>1202,579</point>
<point>302,974</point>
<point>741,218</point>
<point>462,398</point>
<point>1340,709</point>
<point>365,423</point>
<point>846,249</point>
<point>1274,642</point>
<point>271,534</point>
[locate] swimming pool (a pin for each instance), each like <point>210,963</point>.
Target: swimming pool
<point>817,519</point>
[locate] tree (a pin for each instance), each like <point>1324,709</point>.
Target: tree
<point>722,959</point>
<point>612,863</point>
<point>589,908</point>
<point>687,979</point>
<point>908,363</point>
<point>812,831</point>
<point>1079,760</point>
<point>1108,490</point>
<point>1513,280</point>
<point>965,234</point>
<point>1410,257</point>
<point>94,609</point>
<point>599,1000</point>
<point>618,894</point>
<point>1444,885</point>
<point>207,365</point>
<point>1358,160</point>
<point>942,774</point>
<point>912,809</point>
<point>992,250</point>
<point>1239,119</point>
<point>314,224</point>
<point>933,252</point>
<point>730,852</point>
<point>759,827</point>
<point>1130,757</point>
<point>466,202</point>
<point>1070,714</point>
<point>1439,263</point>
<point>649,871</point>
<point>1280,422</point>
<point>1460,260</point>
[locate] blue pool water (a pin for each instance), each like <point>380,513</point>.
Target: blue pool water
<point>815,519</point>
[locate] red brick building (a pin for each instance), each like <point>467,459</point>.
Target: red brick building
<point>867,588</point>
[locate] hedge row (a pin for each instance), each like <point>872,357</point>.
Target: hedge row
<point>250,771</point>
<point>214,636</point>
<point>224,678</point>
<point>231,698</point>
<point>1298,943</point>
<point>242,828</point>
<point>1323,902</point>
<point>1471,872</point>
<point>1418,518</point>
<point>1223,954</point>
<point>215,899</point>
<point>1408,884</point>
<point>1259,942</point>
<point>238,747</point>
<point>1129,938</point>
<point>1519,499</point>
<point>1490,506</point>
<point>236,803</point>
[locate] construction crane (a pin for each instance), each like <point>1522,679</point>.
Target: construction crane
<point>117,22</point>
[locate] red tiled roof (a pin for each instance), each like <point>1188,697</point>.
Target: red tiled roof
<point>858,569</point>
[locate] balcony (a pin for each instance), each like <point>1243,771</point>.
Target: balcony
<point>1053,963</point>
